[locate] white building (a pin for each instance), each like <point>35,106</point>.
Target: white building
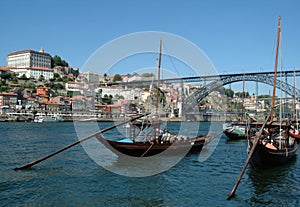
<point>28,58</point>
<point>128,94</point>
<point>89,77</point>
<point>34,72</point>
<point>76,86</point>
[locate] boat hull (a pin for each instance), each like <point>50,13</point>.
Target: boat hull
<point>235,131</point>
<point>145,149</point>
<point>232,135</point>
<point>264,156</point>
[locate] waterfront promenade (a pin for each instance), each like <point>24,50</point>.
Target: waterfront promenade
<point>103,117</point>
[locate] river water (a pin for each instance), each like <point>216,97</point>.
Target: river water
<point>72,178</point>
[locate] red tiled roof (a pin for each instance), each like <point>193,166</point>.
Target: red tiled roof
<point>52,101</point>
<point>39,68</point>
<point>4,69</point>
<point>14,85</point>
<point>8,93</point>
<point>27,51</point>
<point>77,98</point>
<point>33,68</point>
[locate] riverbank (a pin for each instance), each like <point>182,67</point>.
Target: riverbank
<point>89,117</point>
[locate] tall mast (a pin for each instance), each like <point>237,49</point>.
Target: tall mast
<point>158,75</point>
<point>294,100</point>
<point>243,97</point>
<point>272,115</point>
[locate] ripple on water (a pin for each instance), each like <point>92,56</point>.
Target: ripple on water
<point>72,178</point>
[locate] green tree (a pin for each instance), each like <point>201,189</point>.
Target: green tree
<point>105,76</point>
<point>229,93</point>
<point>240,94</point>
<point>23,77</point>
<point>264,96</point>
<point>147,75</point>
<point>5,76</point>
<point>117,77</point>
<point>15,80</point>
<point>57,61</point>
<point>56,75</point>
<point>57,86</point>
<point>34,112</point>
<point>41,78</point>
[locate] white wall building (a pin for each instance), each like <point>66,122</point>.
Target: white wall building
<point>90,77</point>
<point>76,86</point>
<point>28,58</point>
<point>34,72</point>
<point>128,94</point>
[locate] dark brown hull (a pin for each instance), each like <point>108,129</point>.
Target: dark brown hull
<point>145,149</point>
<point>264,156</point>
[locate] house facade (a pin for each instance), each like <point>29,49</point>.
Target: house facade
<point>28,58</point>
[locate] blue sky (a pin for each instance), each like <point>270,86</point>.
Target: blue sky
<point>237,36</point>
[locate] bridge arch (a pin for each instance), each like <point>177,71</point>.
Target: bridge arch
<point>268,79</point>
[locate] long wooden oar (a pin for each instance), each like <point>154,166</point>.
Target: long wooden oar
<point>75,143</point>
<point>248,159</point>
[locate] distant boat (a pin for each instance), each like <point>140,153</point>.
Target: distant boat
<point>41,119</point>
<point>235,132</point>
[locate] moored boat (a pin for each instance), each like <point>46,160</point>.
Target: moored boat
<point>154,147</point>
<point>41,119</point>
<point>275,147</point>
<point>147,138</point>
<point>235,132</point>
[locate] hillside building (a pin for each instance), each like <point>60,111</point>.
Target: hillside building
<point>28,58</point>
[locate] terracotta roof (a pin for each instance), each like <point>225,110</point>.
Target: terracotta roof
<point>77,98</point>
<point>33,68</point>
<point>8,93</point>
<point>39,68</point>
<point>4,69</point>
<point>14,85</point>
<point>27,51</point>
<point>52,101</point>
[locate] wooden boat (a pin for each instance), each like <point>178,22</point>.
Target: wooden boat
<point>295,134</point>
<point>148,139</point>
<point>275,146</point>
<point>269,143</point>
<point>235,132</point>
<point>165,142</point>
<point>41,119</point>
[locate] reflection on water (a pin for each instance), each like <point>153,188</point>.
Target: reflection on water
<point>272,186</point>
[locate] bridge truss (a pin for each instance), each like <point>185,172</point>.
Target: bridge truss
<point>214,82</point>
<point>266,78</point>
